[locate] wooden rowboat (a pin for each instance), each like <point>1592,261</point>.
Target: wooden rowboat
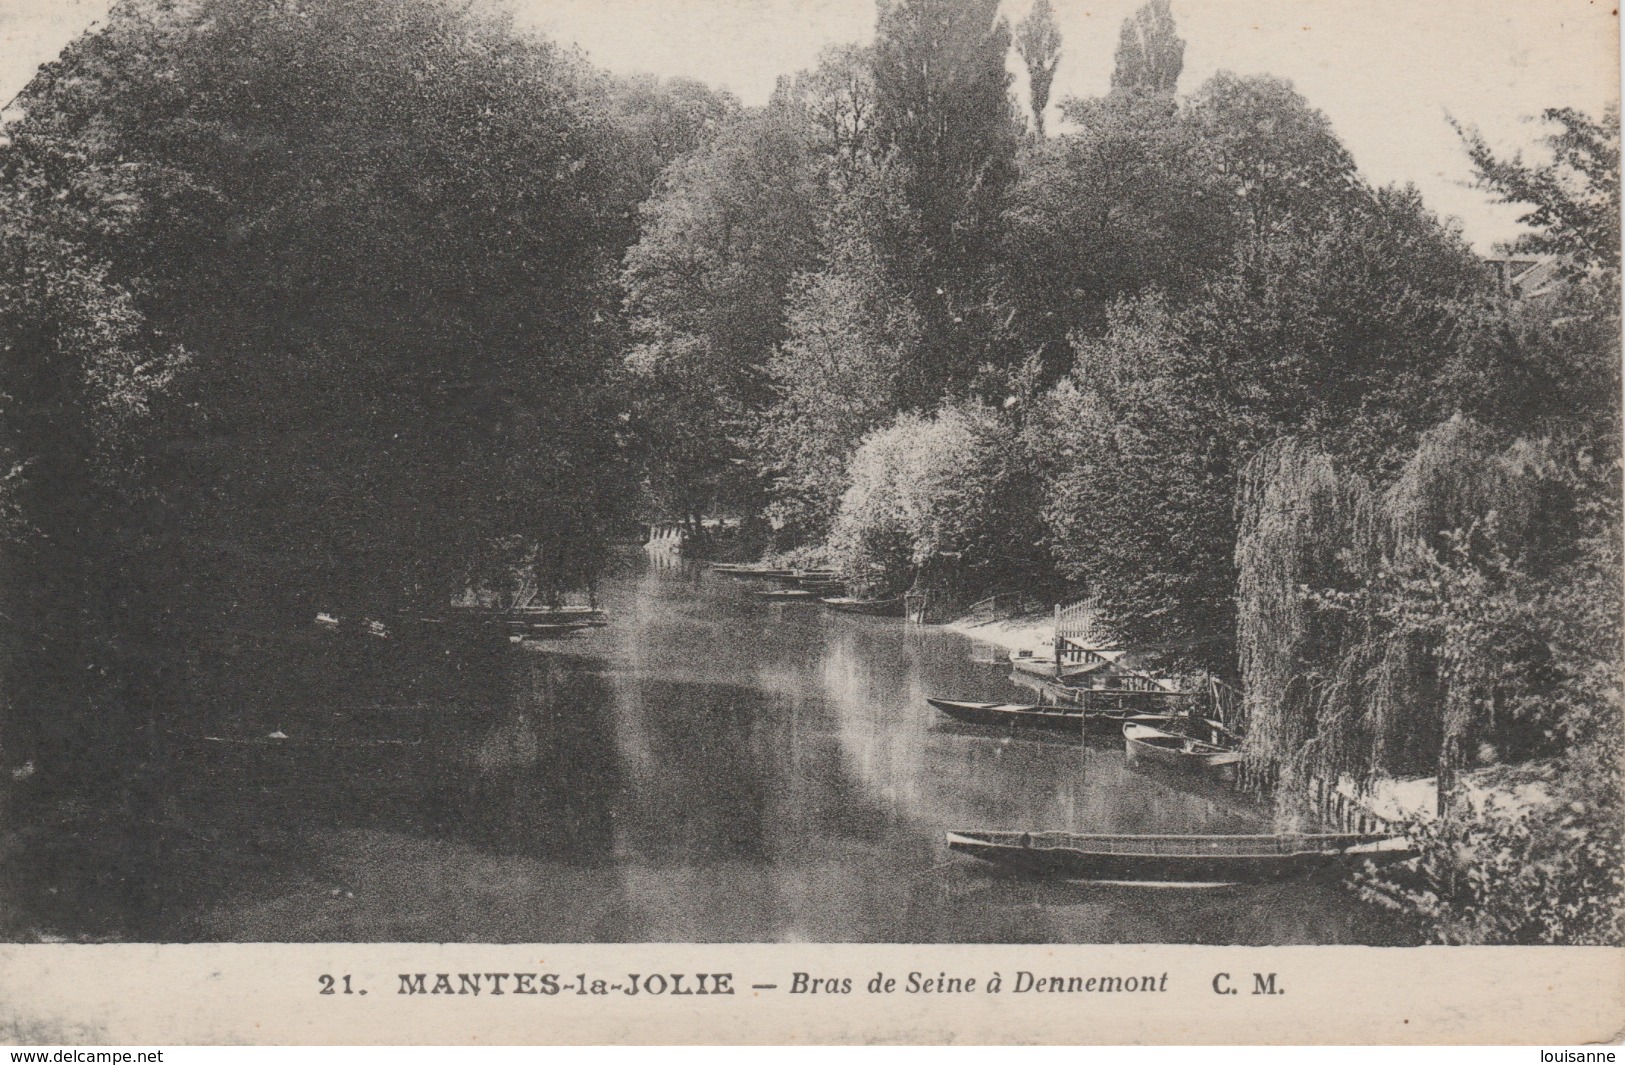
<point>1065,718</point>
<point>1069,718</point>
<point>782,594</point>
<point>886,608</point>
<point>733,569</point>
<point>1154,745</point>
<point>1175,861</point>
<point>523,612</point>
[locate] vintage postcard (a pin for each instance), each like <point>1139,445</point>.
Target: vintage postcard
<point>810,521</point>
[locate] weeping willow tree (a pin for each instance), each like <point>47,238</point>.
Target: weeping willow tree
<point>1297,514</point>
<point>1395,632</point>
<point>1466,538</point>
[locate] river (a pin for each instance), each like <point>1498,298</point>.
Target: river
<point>708,768</point>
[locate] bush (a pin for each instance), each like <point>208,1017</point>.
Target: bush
<point>1503,870</point>
<point>942,502</point>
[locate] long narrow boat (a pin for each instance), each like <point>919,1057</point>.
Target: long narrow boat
<point>1154,745</point>
<point>1001,714</point>
<point>1175,861</point>
<point>735,569</point>
<point>794,595</point>
<point>553,630</point>
<point>1067,718</point>
<point>886,608</point>
<point>477,611</point>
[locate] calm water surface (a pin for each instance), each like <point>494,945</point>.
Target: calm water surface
<point>710,767</point>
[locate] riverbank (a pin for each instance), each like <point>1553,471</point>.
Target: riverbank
<point>1394,801</point>
<point>1026,632</point>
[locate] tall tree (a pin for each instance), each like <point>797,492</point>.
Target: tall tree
<point>1038,42</point>
<point>1125,203</point>
<point>1150,52</point>
<point>1338,333</point>
<point>853,337</point>
<point>706,287</point>
<point>657,121</point>
<point>943,108</point>
<point>1574,198</point>
<point>380,231</point>
<point>839,97</point>
<point>1279,157</point>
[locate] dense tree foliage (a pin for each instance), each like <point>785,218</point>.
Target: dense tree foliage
<point>731,226</point>
<point>944,114</point>
<point>657,121</point>
<point>1276,155</point>
<point>942,504</point>
<point>853,339</point>
<point>1573,199</point>
<point>306,308</point>
<point>1126,203</point>
<point>1458,615</point>
<point>354,306</point>
<point>1460,623</point>
<point>1332,333</point>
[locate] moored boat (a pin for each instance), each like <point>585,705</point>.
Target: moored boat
<point>1062,717</point>
<point>1184,861</point>
<point>886,608</point>
<point>786,594</point>
<point>481,611</point>
<point>752,569</point>
<point>1142,741</point>
<point>541,630</point>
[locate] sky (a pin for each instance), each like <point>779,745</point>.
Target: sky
<point>1387,73</point>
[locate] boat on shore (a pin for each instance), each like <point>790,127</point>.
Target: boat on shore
<point>885,608</point>
<point>1144,741</point>
<point>1175,861</point>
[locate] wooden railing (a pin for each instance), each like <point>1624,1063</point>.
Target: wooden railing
<point>1079,620</point>
<point>1002,605</point>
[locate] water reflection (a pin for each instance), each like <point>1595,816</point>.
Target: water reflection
<point>710,767</point>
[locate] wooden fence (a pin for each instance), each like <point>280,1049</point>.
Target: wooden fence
<point>1080,621</point>
<point>1002,605</point>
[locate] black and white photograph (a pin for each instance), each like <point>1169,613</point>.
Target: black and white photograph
<point>810,472</point>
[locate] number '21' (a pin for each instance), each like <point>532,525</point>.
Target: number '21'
<point>327,983</point>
